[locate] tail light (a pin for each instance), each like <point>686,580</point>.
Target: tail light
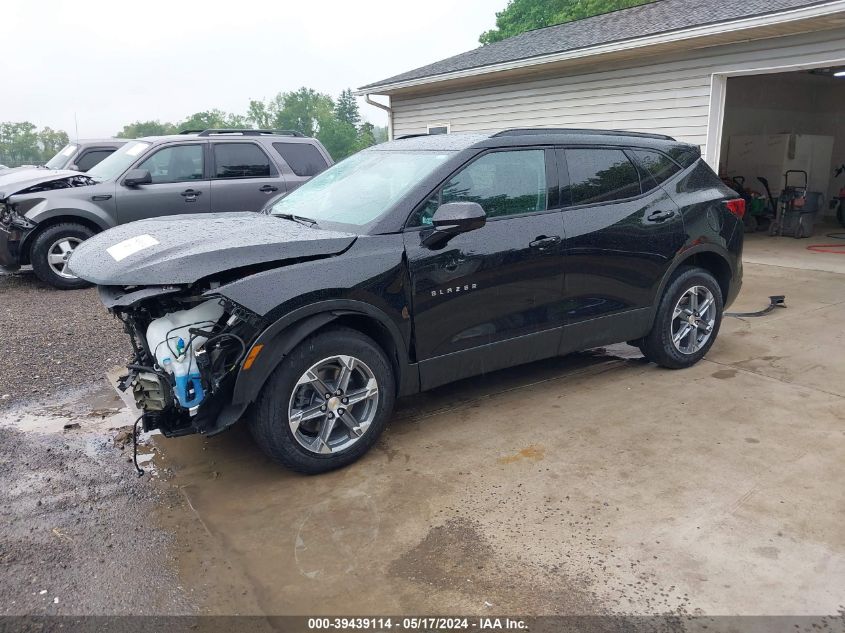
<point>736,207</point>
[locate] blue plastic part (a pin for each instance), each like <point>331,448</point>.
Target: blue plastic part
<point>183,384</point>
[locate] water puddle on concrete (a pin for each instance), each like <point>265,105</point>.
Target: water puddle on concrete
<point>95,418</point>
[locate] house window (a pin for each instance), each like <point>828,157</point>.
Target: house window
<point>438,129</point>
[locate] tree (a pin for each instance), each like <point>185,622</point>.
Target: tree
<point>380,133</point>
<point>259,114</point>
<point>20,144</point>
<point>213,118</point>
<point>523,15</point>
<point>303,111</point>
<point>346,108</point>
<point>339,138</point>
<point>366,135</point>
<point>139,129</point>
<point>51,142</point>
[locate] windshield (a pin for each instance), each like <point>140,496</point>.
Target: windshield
<point>60,160</point>
<point>361,188</point>
<point>114,164</point>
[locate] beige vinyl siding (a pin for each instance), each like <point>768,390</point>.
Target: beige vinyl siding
<point>668,94</point>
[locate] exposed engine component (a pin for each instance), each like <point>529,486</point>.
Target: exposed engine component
<point>61,183</point>
<point>151,393</point>
<point>186,348</point>
<point>174,340</point>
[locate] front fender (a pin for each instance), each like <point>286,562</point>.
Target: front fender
<point>283,335</point>
<point>45,210</point>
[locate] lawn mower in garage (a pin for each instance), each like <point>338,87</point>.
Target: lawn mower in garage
<point>758,212</point>
<point>797,208</point>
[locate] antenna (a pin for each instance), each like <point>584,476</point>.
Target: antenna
<point>76,126</point>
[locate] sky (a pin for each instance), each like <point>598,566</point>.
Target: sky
<point>111,63</point>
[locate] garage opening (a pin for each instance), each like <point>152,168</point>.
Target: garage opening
<point>787,130</point>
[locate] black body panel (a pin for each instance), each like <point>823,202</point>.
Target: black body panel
<point>183,249</point>
<point>520,288</point>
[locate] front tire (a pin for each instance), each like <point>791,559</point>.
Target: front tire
<point>687,321</point>
<point>50,253</point>
<point>326,403</point>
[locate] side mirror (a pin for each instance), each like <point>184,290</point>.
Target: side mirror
<point>454,218</point>
<point>74,167</point>
<point>135,177</point>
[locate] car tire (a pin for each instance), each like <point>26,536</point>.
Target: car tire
<point>50,245</point>
<point>300,446</point>
<point>689,288</point>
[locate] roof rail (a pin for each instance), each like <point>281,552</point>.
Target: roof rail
<point>418,134</point>
<point>256,132</point>
<point>563,130</point>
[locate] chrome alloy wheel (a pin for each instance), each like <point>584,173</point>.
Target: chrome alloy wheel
<point>693,320</point>
<point>59,253</point>
<point>333,404</point>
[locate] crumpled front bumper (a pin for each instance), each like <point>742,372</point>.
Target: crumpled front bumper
<point>10,243</point>
<point>12,235</point>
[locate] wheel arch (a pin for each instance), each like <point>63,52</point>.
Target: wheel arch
<point>714,262</point>
<point>283,335</point>
<point>43,225</point>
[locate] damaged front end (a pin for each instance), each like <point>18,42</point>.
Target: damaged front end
<point>189,345</point>
<point>21,193</point>
<point>14,227</point>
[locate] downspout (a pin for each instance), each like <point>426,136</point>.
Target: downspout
<point>387,109</point>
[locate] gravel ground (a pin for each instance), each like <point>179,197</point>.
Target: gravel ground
<point>81,533</point>
<point>52,339</point>
<point>78,535</point>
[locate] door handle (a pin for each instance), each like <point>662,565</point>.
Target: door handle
<point>543,242</point>
<point>190,193</point>
<point>100,198</point>
<point>268,189</point>
<point>660,216</point>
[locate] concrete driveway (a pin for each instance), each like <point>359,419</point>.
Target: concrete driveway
<point>588,484</point>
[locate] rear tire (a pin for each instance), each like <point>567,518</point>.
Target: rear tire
<point>50,251</point>
<point>356,421</point>
<point>674,342</point>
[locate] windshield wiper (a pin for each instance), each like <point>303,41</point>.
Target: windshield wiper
<point>296,218</point>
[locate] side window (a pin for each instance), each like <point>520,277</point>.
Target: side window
<point>89,159</point>
<point>503,183</point>
<point>175,164</point>
<point>303,158</point>
<point>600,175</point>
<point>660,166</point>
<point>240,160</point>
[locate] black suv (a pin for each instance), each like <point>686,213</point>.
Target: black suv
<point>412,264</point>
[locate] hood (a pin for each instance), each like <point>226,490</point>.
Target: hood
<point>182,249</point>
<point>14,181</point>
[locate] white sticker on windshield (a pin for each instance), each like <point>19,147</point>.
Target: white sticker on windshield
<point>136,149</point>
<point>124,249</point>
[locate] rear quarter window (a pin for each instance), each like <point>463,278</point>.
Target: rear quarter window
<point>659,165</point>
<point>685,155</point>
<point>303,159</point>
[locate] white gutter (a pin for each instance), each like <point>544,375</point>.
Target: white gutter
<point>754,22</point>
<point>387,109</point>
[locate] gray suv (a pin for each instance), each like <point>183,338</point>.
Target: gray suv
<point>83,155</point>
<point>45,216</point>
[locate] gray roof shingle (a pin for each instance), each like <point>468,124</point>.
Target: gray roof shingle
<point>662,16</point>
